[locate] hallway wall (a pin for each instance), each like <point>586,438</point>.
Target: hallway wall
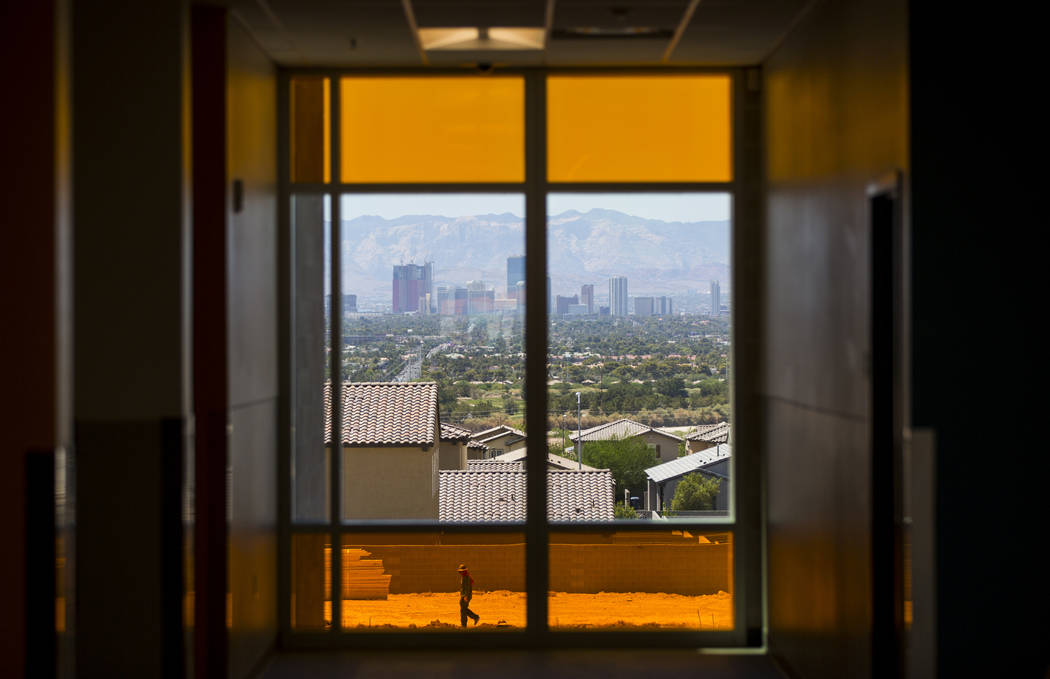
<point>252,350</point>
<point>835,119</point>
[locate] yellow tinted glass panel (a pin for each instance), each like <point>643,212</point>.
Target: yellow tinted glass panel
<point>310,139</point>
<point>433,129</point>
<point>639,128</point>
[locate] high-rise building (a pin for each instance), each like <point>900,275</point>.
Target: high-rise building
<point>618,296</point>
<point>549,309</point>
<point>409,286</point>
<point>587,297</point>
<point>350,304</point>
<point>515,274</point>
<point>716,298</point>
<point>481,299</point>
<point>562,304</point>
<point>662,306</point>
<point>643,306</point>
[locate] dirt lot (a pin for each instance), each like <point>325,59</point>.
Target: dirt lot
<point>505,609</point>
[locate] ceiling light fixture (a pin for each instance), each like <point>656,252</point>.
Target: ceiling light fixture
<point>473,39</point>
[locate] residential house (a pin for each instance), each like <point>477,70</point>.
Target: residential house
<point>554,462</point>
<point>664,443</point>
<point>453,448</point>
<point>501,439</point>
<point>706,436</point>
<point>391,445</point>
<point>664,478</point>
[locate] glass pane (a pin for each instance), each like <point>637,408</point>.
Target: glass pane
<point>639,362</point>
<point>638,128</point>
<point>432,358</point>
<point>652,580</point>
<point>433,129</point>
<point>311,307</point>
<point>410,581</point>
<point>309,129</point>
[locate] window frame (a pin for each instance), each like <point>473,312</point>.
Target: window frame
<point>746,518</point>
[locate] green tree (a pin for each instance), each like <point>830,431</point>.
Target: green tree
<point>627,459</point>
<point>695,491</point>
<point>622,511</point>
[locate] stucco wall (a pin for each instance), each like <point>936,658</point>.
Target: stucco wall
<point>452,455</point>
<point>390,483</point>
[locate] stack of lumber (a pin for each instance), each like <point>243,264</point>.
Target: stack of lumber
<point>363,578</point>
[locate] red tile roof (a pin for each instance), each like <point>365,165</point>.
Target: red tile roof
<point>385,413</point>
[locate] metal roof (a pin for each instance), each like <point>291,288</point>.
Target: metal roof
<point>689,463</point>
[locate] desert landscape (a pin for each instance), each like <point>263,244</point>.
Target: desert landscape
<point>506,610</point>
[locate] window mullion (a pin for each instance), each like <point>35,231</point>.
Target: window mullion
<point>335,363</point>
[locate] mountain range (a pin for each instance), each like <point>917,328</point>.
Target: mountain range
<point>657,257</point>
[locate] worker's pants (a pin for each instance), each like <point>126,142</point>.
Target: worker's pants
<point>465,612</point>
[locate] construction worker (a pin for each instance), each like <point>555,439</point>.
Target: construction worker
<point>466,593</point>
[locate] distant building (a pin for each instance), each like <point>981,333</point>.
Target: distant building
<point>481,299</point>
<point>451,301</point>
<point>664,444</point>
<point>587,297</point>
<point>577,310</point>
<point>350,304</point>
<point>643,306</point>
<point>501,439</point>
<point>716,298</point>
<point>413,286</point>
<point>520,294</point>
<point>618,295</point>
<point>515,274</point>
<point>662,306</point>
<point>603,311</point>
<point>707,436</point>
<point>549,308</point>
<point>711,463</point>
<point>561,304</point>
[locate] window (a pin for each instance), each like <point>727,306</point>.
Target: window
<point>417,396</point>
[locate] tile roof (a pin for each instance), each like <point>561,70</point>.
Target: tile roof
<point>552,460</point>
<point>484,496</point>
<point>711,433</point>
<point>689,463</point>
<point>620,429</point>
<point>494,432</point>
<point>476,444</point>
<point>494,466</point>
<point>452,432</point>
<point>385,413</point>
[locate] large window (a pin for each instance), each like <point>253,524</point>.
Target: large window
<point>510,360</point>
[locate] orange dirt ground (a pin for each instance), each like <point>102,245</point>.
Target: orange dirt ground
<point>573,611</point>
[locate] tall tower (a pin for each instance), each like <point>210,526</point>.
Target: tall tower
<point>409,283</point>
<point>618,296</point>
<point>587,297</point>
<point>515,273</point>
<point>716,299</point>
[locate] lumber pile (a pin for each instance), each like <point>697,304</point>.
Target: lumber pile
<point>363,578</point>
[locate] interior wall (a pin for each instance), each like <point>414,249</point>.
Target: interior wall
<point>836,118</point>
<point>35,292</point>
<point>252,351</point>
<point>131,153</point>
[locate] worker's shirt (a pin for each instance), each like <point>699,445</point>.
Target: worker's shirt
<point>466,590</point>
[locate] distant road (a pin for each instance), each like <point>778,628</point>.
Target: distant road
<point>414,368</point>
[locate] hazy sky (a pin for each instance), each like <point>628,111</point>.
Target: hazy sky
<point>669,207</point>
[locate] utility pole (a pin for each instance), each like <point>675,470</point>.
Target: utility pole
<point>579,435</point>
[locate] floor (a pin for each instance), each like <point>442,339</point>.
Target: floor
<point>518,664</point>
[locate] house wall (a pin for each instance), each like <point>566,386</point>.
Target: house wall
<point>697,446</point>
<point>668,446</point>
<point>452,455</point>
<point>835,118</point>
<point>390,483</point>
